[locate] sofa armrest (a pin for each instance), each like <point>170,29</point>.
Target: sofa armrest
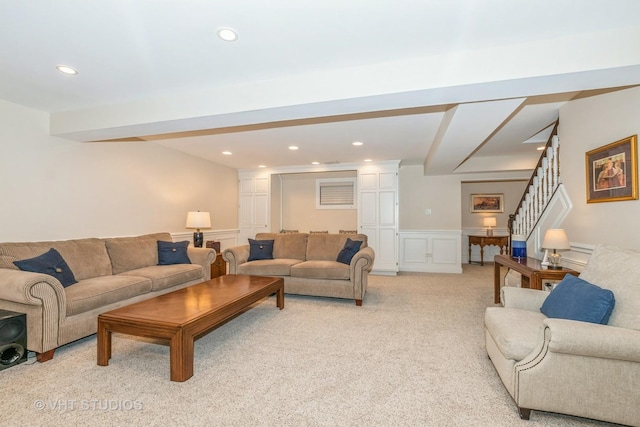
<point>523,298</point>
<point>593,340</point>
<point>203,256</point>
<point>19,286</point>
<point>236,256</point>
<point>360,266</point>
<point>42,298</point>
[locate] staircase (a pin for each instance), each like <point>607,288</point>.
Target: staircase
<point>544,194</point>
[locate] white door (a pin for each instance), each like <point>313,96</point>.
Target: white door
<point>253,209</point>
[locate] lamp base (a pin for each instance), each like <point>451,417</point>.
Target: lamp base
<point>489,232</point>
<point>554,261</point>
<point>198,239</point>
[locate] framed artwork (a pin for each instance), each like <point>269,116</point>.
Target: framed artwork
<point>487,203</point>
<point>612,171</point>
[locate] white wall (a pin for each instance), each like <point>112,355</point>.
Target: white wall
<point>417,192</point>
<point>299,204</point>
<point>52,188</point>
<point>586,124</point>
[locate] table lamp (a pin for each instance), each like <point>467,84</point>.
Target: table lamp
<point>198,220</point>
<point>490,222</point>
<point>556,239</point>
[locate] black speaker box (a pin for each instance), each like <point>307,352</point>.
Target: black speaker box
<point>13,338</point>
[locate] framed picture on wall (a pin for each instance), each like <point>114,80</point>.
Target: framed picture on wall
<point>612,171</point>
<point>487,203</point>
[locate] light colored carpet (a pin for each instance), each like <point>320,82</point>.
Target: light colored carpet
<point>412,355</point>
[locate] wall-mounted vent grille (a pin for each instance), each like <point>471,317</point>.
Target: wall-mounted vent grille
<point>336,193</point>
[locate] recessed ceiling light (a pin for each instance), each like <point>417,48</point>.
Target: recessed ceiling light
<point>540,148</point>
<point>293,147</point>
<point>315,163</point>
<point>227,34</point>
<point>227,153</point>
<point>65,69</point>
<point>261,166</point>
<point>367,160</point>
<point>356,143</point>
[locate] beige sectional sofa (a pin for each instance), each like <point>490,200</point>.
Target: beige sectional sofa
<point>567,366</point>
<point>307,262</point>
<point>110,273</point>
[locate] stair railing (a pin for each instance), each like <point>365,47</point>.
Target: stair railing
<point>539,190</point>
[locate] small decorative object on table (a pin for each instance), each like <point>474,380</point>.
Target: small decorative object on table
<point>555,239</point>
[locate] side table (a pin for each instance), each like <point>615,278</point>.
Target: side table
<point>218,267</point>
<point>482,241</point>
<point>532,270</point>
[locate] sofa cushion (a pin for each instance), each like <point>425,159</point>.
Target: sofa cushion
<point>270,267</point>
<point>130,253</point>
<point>351,247</point>
<point>97,292</point>
<point>170,253</point>
<point>166,276</point>
<point>617,269</point>
<point>577,299</point>
<point>75,253</point>
<point>321,270</point>
<point>287,246</point>
<point>260,249</point>
<point>326,247</point>
<point>514,331</point>
<point>51,263</point>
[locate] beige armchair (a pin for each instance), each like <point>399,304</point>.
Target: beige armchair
<point>572,367</point>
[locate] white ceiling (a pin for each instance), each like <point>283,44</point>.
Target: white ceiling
<point>455,85</point>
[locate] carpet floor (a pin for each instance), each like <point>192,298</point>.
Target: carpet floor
<point>412,355</point>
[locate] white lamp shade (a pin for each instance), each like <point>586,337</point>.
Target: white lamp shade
<point>490,221</point>
<point>198,220</point>
<point>555,238</point>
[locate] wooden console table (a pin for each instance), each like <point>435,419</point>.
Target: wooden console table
<point>532,270</point>
<point>482,241</point>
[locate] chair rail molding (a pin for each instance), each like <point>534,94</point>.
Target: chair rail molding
<point>227,238</point>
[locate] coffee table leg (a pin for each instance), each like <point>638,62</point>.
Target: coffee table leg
<point>104,344</point>
<point>181,356</point>
<point>280,297</point>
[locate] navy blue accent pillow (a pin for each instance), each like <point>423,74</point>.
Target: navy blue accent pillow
<point>577,299</point>
<point>173,253</point>
<point>351,247</point>
<point>51,263</point>
<point>260,249</point>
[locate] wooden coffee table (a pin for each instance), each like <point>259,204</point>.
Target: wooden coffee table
<point>185,315</point>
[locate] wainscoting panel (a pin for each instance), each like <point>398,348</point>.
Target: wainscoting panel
<point>436,251</point>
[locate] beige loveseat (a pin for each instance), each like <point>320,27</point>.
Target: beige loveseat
<point>573,367</point>
<point>110,273</point>
<point>307,262</point>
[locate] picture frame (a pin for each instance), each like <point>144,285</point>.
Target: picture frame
<point>612,171</point>
<point>487,203</point>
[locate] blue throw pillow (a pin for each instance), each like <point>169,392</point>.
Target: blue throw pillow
<point>577,299</point>
<point>51,263</point>
<point>351,247</point>
<point>173,253</point>
<point>260,249</point>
